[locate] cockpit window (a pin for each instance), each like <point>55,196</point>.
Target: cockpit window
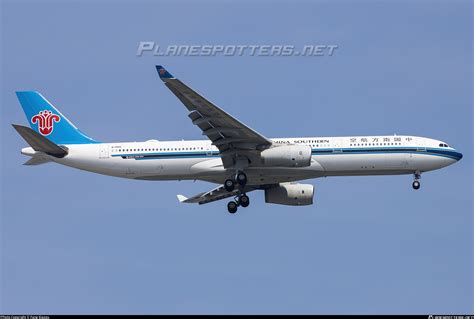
<point>443,145</point>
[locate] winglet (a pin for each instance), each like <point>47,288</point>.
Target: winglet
<point>163,73</point>
<point>181,198</point>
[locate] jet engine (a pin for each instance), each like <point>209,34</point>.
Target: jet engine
<point>287,156</point>
<point>292,194</point>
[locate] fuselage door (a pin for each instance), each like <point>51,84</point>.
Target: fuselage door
<point>103,151</point>
<point>420,145</point>
<point>209,151</point>
<point>336,145</point>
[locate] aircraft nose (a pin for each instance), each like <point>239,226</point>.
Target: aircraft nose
<point>457,155</point>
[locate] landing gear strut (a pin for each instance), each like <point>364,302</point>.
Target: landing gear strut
<point>416,183</point>
<point>240,200</point>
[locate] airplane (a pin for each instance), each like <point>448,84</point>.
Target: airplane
<point>237,158</point>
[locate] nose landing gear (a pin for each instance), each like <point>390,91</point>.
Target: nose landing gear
<point>416,183</point>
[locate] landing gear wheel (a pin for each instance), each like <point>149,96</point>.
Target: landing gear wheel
<point>232,207</point>
<point>241,178</point>
<point>229,185</point>
<point>244,200</point>
<point>416,185</point>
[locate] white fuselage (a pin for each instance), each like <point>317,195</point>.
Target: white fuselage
<point>199,160</point>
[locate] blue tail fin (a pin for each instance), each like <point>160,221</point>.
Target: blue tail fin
<point>45,119</point>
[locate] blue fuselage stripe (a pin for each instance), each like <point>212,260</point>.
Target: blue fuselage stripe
<point>328,151</point>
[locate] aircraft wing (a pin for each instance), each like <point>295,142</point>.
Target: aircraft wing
<point>233,138</point>
<point>213,195</point>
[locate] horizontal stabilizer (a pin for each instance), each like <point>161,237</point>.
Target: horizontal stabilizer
<point>181,198</point>
<point>40,143</point>
<point>37,160</point>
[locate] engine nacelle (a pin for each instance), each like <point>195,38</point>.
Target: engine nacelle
<point>292,194</point>
<point>287,156</point>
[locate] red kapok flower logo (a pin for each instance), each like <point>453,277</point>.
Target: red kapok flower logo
<point>45,120</point>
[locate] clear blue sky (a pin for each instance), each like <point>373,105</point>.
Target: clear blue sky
<point>75,242</point>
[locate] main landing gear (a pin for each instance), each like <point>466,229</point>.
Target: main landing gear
<point>240,178</point>
<point>416,183</point>
<point>240,200</point>
<point>229,185</point>
<point>232,207</point>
